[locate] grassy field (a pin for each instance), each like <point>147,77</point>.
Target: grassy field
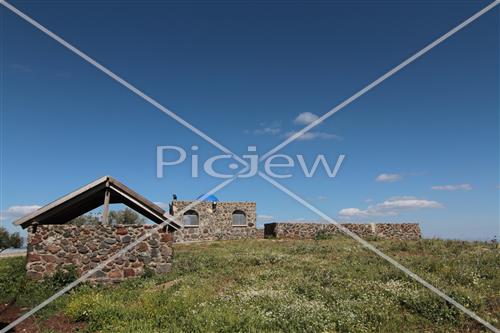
<point>331,285</point>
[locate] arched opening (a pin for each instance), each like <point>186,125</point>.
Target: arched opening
<point>239,218</point>
<point>191,219</point>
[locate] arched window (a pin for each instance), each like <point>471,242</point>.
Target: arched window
<point>239,218</point>
<point>191,219</point>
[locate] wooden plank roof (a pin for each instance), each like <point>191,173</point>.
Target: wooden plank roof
<point>90,197</point>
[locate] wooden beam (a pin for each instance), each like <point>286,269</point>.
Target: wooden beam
<point>90,197</point>
<point>105,210</point>
<point>86,190</point>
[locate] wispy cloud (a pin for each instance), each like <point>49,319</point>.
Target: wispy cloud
<point>264,218</point>
<point>267,128</point>
<point>305,118</point>
<point>389,177</point>
<point>275,128</point>
<point>161,204</point>
<point>457,187</point>
<point>14,212</point>
<point>391,207</point>
<point>315,135</point>
<point>318,198</point>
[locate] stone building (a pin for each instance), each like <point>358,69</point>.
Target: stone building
<point>90,247</point>
<point>54,244</point>
<point>215,220</point>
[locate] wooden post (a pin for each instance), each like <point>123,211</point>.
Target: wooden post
<point>105,210</point>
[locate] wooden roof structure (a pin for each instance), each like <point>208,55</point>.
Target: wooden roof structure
<point>103,191</point>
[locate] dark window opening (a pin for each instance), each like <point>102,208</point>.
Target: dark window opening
<point>239,218</point>
<point>191,219</point>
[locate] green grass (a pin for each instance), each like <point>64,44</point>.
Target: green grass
<point>15,288</point>
<point>331,285</point>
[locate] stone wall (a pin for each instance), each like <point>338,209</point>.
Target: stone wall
<point>216,224</point>
<point>402,231</point>
<point>55,246</point>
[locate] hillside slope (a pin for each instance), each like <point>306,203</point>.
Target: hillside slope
<point>331,285</point>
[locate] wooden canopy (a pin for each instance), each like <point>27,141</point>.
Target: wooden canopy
<point>103,191</point>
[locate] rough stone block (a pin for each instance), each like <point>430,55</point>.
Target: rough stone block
<point>88,247</point>
<point>121,231</point>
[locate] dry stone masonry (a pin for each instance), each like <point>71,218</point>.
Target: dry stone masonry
<point>401,231</point>
<point>56,246</point>
<point>51,247</point>
<point>215,221</point>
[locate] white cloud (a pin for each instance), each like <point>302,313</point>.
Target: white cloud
<point>391,207</point>
<point>305,118</point>
<point>267,130</point>
<point>458,187</point>
<point>161,204</point>
<point>265,218</point>
<point>275,128</point>
<point>315,135</point>
<point>407,203</point>
<point>353,212</point>
<point>317,198</point>
<point>388,177</point>
<point>14,212</point>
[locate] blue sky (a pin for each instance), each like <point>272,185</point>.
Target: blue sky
<point>244,72</point>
